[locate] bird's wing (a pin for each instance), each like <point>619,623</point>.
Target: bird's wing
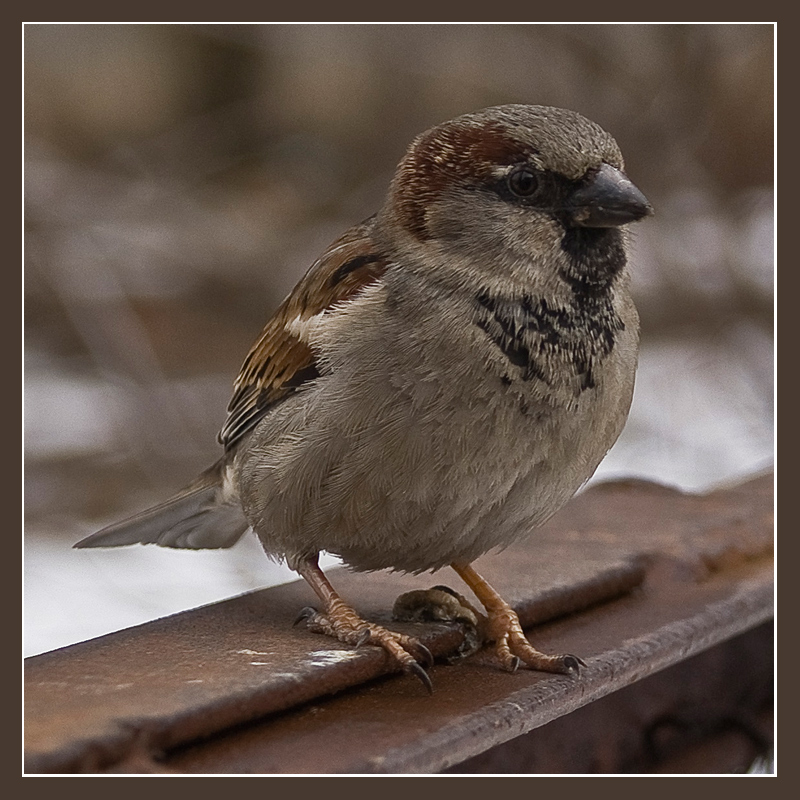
<point>280,362</point>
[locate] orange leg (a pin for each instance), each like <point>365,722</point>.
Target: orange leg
<point>341,622</point>
<point>504,629</point>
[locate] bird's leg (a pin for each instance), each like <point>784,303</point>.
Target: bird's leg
<point>343,623</point>
<point>504,629</point>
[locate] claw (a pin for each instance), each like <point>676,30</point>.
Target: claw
<point>442,588</point>
<point>363,638</point>
<point>515,664</point>
<point>572,664</point>
<point>427,655</point>
<point>415,669</point>
<point>304,615</point>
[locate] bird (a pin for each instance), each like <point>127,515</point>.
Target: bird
<point>440,382</point>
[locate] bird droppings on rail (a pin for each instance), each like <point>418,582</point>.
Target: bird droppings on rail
<point>254,652</point>
<point>322,658</point>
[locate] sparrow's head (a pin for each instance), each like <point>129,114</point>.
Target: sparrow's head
<point>513,182</point>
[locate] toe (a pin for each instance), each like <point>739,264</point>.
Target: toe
<point>362,638</point>
<point>439,604</point>
<point>344,624</point>
<point>566,664</point>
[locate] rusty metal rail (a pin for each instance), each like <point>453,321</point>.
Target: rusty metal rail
<point>633,577</point>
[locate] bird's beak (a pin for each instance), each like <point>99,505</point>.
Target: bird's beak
<point>607,200</point>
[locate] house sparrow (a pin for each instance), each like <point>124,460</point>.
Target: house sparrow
<point>441,381</point>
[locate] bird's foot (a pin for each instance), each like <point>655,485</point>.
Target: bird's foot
<point>343,623</point>
<point>443,604</point>
<point>503,627</point>
<point>513,649</point>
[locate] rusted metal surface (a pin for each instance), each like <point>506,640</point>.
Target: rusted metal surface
<point>200,672</point>
<point>393,728</point>
<point>700,571</point>
<point>708,714</point>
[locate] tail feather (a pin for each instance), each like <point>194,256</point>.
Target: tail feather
<point>198,517</point>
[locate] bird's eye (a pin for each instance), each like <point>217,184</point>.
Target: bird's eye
<point>522,181</point>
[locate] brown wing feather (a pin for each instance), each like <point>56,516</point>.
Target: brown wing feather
<point>279,362</point>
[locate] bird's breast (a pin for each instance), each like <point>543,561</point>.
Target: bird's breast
<point>424,443</point>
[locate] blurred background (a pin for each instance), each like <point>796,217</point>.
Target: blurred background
<point>179,179</point>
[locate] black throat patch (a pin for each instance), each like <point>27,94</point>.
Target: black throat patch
<point>559,345</point>
<point>595,256</point>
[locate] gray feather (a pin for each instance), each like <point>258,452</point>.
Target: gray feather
<point>196,518</point>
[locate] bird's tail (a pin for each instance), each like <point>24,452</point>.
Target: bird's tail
<point>203,515</point>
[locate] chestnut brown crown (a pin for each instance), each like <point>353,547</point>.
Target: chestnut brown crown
<point>537,156</point>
